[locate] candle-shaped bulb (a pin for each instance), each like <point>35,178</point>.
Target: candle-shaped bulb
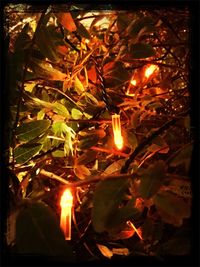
<point>66,203</point>
<point>150,70</point>
<point>116,125</point>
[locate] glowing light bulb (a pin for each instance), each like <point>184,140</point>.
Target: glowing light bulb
<point>150,70</point>
<point>133,82</point>
<point>116,125</point>
<point>66,203</point>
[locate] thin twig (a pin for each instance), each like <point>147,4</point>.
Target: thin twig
<point>109,151</point>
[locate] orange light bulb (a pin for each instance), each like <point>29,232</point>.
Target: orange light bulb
<point>116,125</point>
<point>66,203</point>
<point>150,70</point>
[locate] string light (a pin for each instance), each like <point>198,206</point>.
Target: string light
<point>150,70</point>
<point>116,125</point>
<point>133,82</point>
<point>66,203</point>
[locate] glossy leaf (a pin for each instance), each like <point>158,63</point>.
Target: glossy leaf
<point>25,152</point>
<point>30,130</point>
<point>105,251</point>
<point>152,179</point>
<point>107,197</point>
<point>38,232</point>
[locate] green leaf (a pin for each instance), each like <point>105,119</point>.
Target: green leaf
<point>38,232</point>
<point>30,130</point>
<point>76,114</point>
<point>107,198</point>
<point>151,179</point>
<point>58,154</point>
<point>61,109</point>
<point>141,50</point>
<point>172,208</point>
<point>25,152</point>
<point>78,86</point>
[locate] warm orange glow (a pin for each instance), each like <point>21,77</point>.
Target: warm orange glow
<point>116,125</point>
<point>133,82</point>
<point>150,70</point>
<point>136,230</point>
<point>66,203</point>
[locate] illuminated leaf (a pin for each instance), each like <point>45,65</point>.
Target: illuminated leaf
<point>105,251</point>
<point>66,20</point>
<point>76,114</point>
<point>91,99</point>
<point>152,179</point>
<point>121,251</point>
<point>58,154</point>
<point>25,152</point>
<point>81,171</point>
<point>78,86</point>
<point>38,233</point>
<point>45,70</point>
<point>61,109</point>
<point>30,130</point>
<point>114,167</point>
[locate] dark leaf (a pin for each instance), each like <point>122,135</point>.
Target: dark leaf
<point>38,232</point>
<point>46,44</point>
<point>115,74</point>
<point>183,156</point>
<point>141,50</point>
<point>25,152</point>
<point>107,197</point>
<point>172,208</point>
<point>87,157</point>
<point>82,31</point>
<point>151,179</point>
<point>30,130</point>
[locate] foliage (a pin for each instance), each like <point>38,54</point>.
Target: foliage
<point>66,78</point>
